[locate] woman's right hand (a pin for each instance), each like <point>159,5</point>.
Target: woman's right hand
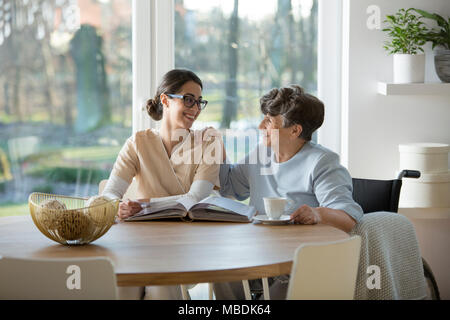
<point>128,208</point>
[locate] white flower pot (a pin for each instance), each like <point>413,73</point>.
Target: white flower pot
<point>409,68</point>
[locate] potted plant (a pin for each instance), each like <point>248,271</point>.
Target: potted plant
<point>407,36</point>
<point>440,38</point>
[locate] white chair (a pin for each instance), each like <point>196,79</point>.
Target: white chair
<point>325,271</point>
<point>57,279</point>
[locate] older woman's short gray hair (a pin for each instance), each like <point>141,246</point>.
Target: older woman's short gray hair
<point>296,107</point>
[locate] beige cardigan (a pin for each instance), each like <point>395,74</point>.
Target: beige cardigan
<point>144,157</point>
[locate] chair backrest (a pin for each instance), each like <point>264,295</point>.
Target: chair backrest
<point>131,191</point>
<point>325,270</point>
<point>57,279</point>
<point>377,195</point>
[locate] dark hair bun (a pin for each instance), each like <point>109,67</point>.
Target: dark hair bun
<point>155,109</point>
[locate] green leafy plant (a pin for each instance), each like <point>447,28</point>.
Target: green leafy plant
<point>438,37</point>
<point>407,32</point>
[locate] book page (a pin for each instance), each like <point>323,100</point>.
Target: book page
<point>158,215</point>
<point>150,208</point>
<point>187,202</point>
<point>225,205</point>
<point>212,215</point>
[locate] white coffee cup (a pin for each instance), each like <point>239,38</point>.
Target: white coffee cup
<point>274,207</point>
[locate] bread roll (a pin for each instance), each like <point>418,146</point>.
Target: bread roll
<point>48,213</point>
<point>74,225</point>
<point>101,210</point>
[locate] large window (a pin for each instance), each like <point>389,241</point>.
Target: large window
<point>65,96</point>
<point>241,49</point>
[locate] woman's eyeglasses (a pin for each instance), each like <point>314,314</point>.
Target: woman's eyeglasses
<point>189,101</point>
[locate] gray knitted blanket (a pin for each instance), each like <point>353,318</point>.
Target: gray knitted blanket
<point>388,241</point>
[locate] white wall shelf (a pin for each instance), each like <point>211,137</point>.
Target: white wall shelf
<point>428,88</point>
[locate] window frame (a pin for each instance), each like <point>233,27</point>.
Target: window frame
<point>153,53</point>
<point>329,74</point>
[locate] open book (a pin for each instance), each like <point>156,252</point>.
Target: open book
<point>213,208</point>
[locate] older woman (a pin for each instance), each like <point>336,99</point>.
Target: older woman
<point>306,173</point>
<point>167,164</point>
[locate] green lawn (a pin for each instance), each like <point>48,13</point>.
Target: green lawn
<point>94,153</point>
<point>14,209</point>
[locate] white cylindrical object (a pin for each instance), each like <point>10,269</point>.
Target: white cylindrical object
<point>429,191</point>
<point>409,68</point>
<point>425,157</point>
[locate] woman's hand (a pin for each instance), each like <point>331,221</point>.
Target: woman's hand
<point>306,215</point>
<point>128,208</point>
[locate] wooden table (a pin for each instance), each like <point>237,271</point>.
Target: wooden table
<point>175,252</point>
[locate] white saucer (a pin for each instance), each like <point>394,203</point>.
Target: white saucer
<point>266,220</point>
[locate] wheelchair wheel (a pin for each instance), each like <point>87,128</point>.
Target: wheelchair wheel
<point>431,281</point>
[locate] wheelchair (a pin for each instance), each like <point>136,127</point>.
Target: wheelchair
<point>384,195</point>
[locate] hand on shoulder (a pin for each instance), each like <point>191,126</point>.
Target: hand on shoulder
<point>210,132</point>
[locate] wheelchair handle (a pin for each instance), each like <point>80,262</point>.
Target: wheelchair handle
<point>408,174</point>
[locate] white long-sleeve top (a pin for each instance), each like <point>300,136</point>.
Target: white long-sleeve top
<point>116,187</point>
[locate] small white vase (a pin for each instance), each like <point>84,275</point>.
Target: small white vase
<point>409,68</point>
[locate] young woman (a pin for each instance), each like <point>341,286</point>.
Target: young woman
<point>168,164</point>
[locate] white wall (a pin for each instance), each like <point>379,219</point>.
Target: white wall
<point>374,125</point>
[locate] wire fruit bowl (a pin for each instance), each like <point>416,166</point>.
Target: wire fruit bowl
<point>71,220</point>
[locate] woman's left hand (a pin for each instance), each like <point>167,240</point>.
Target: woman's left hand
<point>306,215</point>
<point>128,208</point>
